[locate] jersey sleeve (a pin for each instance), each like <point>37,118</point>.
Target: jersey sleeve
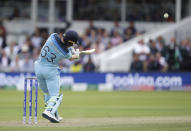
<point>68,55</point>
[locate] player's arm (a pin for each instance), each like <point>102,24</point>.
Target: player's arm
<point>74,57</point>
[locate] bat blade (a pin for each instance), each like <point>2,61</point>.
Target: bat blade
<point>87,51</point>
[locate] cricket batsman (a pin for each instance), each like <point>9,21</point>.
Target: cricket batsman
<point>57,47</point>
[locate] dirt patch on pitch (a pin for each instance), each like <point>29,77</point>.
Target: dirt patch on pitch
<point>86,122</point>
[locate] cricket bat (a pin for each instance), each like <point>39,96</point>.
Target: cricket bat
<point>87,51</point>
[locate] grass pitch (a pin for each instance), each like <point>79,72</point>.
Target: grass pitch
<point>104,111</point>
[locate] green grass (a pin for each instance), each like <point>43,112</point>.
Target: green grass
<point>105,104</point>
<point>154,127</point>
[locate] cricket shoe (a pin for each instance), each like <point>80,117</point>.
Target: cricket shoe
<point>47,115</point>
<point>58,117</point>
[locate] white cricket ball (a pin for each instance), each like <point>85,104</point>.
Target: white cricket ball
<point>166,15</point>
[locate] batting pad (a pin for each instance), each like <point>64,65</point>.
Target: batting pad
<point>56,104</point>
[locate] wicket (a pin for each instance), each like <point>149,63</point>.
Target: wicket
<point>30,100</point>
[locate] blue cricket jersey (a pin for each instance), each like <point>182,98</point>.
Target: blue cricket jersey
<point>53,51</point>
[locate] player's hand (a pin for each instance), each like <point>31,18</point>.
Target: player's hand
<point>59,70</point>
<point>73,50</point>
<point>77,53</point>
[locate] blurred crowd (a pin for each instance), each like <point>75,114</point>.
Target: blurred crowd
<point>19,57</point>
<point>159,56</point>
<point>154,56</point>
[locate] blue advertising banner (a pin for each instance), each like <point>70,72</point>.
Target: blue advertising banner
<point>149,81</point>
<point>119,81</point>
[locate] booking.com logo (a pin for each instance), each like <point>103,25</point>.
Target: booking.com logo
<point>137,80</point>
